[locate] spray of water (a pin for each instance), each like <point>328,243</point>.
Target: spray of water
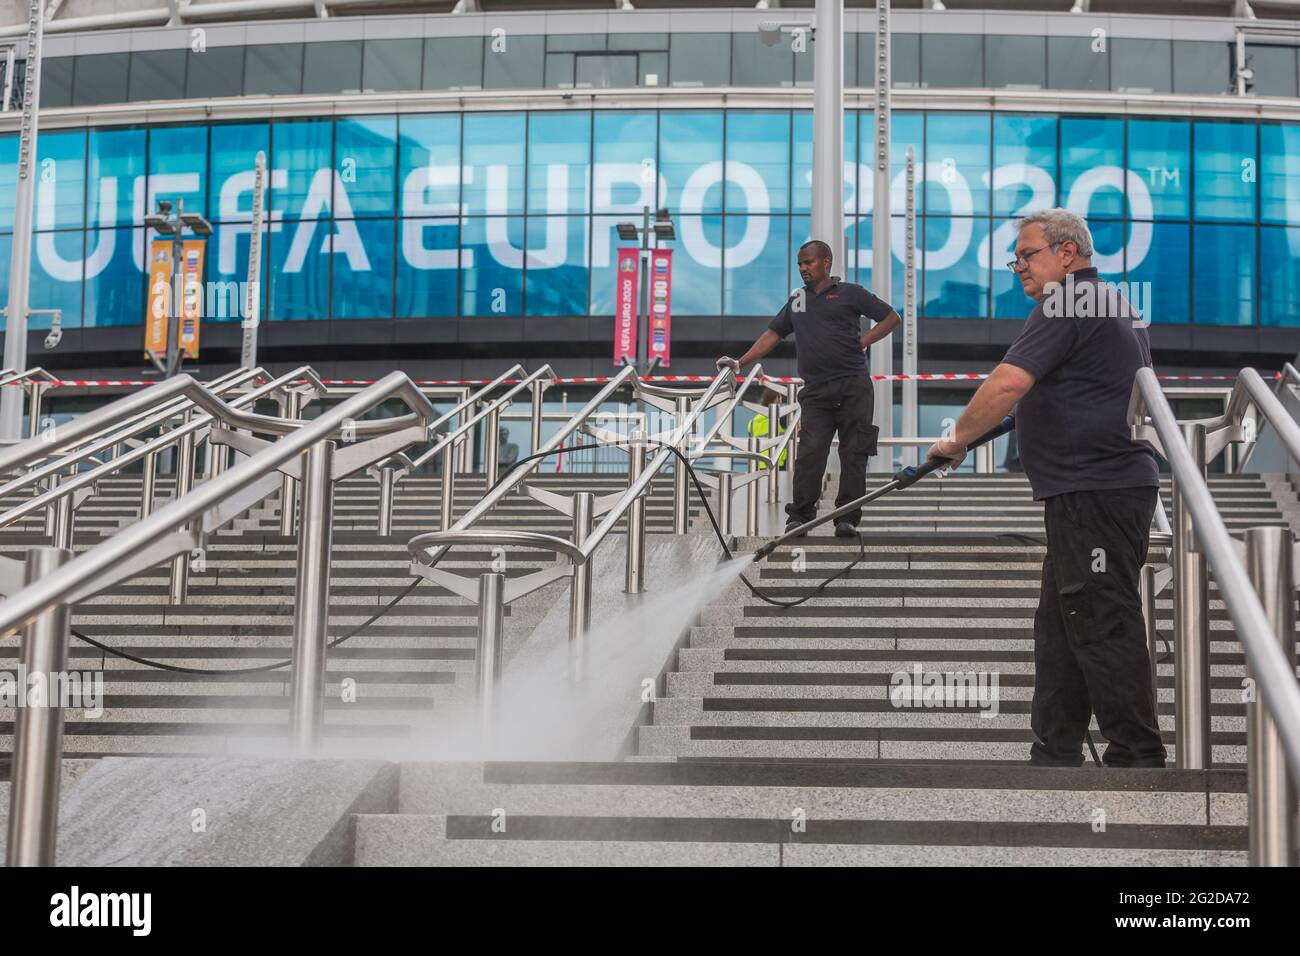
<point>544,715</point>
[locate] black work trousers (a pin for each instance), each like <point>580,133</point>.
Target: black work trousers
<point>844,406</point>
<point>1090,648</point>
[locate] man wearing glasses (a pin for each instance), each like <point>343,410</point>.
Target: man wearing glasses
<point>1071,373</point>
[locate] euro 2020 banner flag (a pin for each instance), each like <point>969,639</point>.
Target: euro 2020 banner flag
<point>625,305</point>
<point>661,314</point>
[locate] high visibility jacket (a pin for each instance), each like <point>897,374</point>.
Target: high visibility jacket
<point>758,428</point>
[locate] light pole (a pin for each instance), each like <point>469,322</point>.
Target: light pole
<point>20,262</point>
<point>661,228</point>
<point>167,223</point>
<point>882,352</point>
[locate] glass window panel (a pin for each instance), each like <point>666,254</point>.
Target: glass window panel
<point>555,271</point>
<point>60,179</point>
<point>1009,299</point>
<point>1159,254</point>
<point>690,158</point>
<point>956,285</point>
<point>639,41</point>
<point>227,269</point>
<point>1223,275</point>
<point>115,162</point>
<point>494,283</point>
<point>1077,63</point>
<point>452,63</point>
<point>494,154</point>
<point>755,264</point>
<point>362,284</point>
<point>652,69</point>
<point>365,157</point>
<point>1279,280</point>
<point>1274,66</point>
<point>1017,63</point>
<point>906,129</point>
<point>427,268</point>
<point>56,81</point>
<point>1280,173</point>
<point>801,173</point>
<point>559,152</point>
<point>178,157</point>
<point>803,65</point>
<point>115,293</point>
<point>604,70</point>
<point>951,60</point>
<point>157,75</point>
<point>233,157</point>
<point>904,60</point>
<point>697,266</point>
<point>302,149</point>
<point>758,161</point>
<point>623,177</point>
<point>559,71</point>
<point>1225,171</point>
<point>392,64</point>
<point>1141,66</point>
<point>300,271</point>
<point>430,165</point>
<point>271,68</point>
<point>56,277</point>
<point>756,64</point>
<point>1159,153</point>
<point>957,163</point>
<point>1024,164</point>
<point>574,42</point>
<point>8,180</point>
<point>6,252</point>
<point>333,67</point>
<point>1109,242</point>
<point>1201,67</point>
<point>699,59</point>
<point>513,63</point>
<point>1092,175</point>
<point>100,78</point>
<point>603,275</point>
<point>216,71</point>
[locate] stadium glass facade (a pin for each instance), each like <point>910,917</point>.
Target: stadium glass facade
<point>512,213</point>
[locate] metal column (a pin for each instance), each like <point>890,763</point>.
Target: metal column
<point>386,479</point>
<point>1191,628</point>
<point>148,480</point>
<point>288,486</point>
<point>634,580</point>
<point>491,445</point>
<point>584,506</point>
<point>773,457</point>
<point>882,352</point>
<point>752,492</point>
<point>38,731</point>
<point>1271,794</point>
<point>447,486</point>
<point>828,130</point>
<point>491,642</point>
<point>725,481</point>
<point>911,407</point>
<point>312,607</point>
<point>63,525</point>
<point>538,390</point>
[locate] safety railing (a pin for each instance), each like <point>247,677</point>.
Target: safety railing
<point>1287,391</point>
<point>492,591</point>
<point>1256,582</point>
<point>43,588</point>
<point>34,382</point>
<point>448,447</point>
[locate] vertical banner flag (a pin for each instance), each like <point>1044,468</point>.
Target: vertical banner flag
<point>192,298</point>
<point>158,297</point>
<point>625,305</point>
<point>159,305</point>
<point>661,314</point>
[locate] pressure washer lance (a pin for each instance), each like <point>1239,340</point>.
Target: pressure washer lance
<point>906,477</point>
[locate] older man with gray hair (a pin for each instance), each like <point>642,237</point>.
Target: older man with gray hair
<point>1070,374</point>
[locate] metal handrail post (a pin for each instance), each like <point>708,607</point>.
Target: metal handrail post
<point>538,390</point>
<point>312,605</point>
<point>725,481</point>
<point>38,731</point>
<point>35,389</point>
<point>288,486</point>
<point>681,511</point>
<point>584,507</point>
<point>386,476</point>
<point>180,578</point>
<point>773,433</point>
<point>447,487</point>
<point>1271,794</point>
<point>491,444</point>
<point>63,526</point>
<point>491,650</point>
<point>1191,625</point>
<point>148,483</point>
<point>752,492</point>
<point>1147,595</point>
<point>462,451</point>
<point>634,581</point>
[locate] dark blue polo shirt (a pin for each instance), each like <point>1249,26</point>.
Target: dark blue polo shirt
<point>828,329</point>
<point>1072,427</point>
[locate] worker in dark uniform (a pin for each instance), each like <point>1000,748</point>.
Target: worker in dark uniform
<point>1071,370</point>
<point>836,398</point>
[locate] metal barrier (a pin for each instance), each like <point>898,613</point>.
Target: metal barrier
<point>1259,593</point>
<point>491,592</point>
<point>35,382</point>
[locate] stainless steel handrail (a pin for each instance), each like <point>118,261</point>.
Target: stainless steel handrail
<point>1289,378</point>
<point>1275,675</point>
